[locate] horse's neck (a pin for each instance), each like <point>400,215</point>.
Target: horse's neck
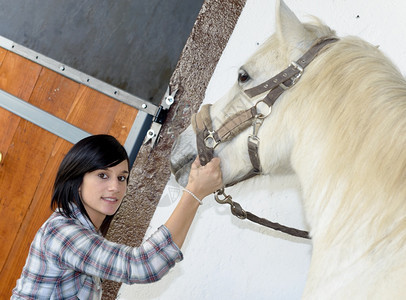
<point>350,242</point>
<point>349,139</point>
<point>345,199</point>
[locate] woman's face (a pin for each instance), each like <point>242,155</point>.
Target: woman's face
<point>103,190</point>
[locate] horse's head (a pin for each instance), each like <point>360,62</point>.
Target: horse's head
<point>291,40</point>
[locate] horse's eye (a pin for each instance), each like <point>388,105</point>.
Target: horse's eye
<point>243,77</point>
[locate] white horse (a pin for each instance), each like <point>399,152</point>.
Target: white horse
<point>342,129</point>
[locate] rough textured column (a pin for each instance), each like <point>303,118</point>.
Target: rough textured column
<point>151,171</point>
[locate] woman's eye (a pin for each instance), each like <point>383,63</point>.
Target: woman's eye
<point>122,178</point>
<point>243,77</point>
<point>103,176</point>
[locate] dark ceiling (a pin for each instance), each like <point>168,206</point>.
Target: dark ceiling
<point>131,44</point>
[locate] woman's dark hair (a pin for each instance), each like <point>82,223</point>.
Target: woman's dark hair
<point>89,154</point>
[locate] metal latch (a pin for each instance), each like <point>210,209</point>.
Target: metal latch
<point>152,135</point>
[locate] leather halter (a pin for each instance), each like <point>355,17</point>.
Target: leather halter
<point>207,138</point>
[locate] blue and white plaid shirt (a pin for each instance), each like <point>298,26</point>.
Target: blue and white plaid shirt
<point>68,257</point>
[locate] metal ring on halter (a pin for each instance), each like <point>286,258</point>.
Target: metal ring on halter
<point>210,141</point>
<point>260,115</point>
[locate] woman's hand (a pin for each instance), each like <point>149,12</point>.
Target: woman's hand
<point>204,180</point>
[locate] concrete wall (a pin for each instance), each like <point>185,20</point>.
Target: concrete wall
<point>227,258</point>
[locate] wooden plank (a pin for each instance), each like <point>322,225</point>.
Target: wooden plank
<point>25,168</point>
<point>8,124</point>
<point>122,122</point>
<point>3,53</point>
<point>92,111</point>
<point>17,84</point>
<point>54,93</point>
<point>18,76</point>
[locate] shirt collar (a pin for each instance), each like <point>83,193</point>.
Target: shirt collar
<point>82,219</point>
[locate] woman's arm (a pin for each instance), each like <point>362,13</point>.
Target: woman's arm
<point>203,180</point>
<point>65,246</point>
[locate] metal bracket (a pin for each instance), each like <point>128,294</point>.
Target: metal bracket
<point>152,136</point>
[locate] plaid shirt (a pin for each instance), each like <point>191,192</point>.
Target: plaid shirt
<point>68,257</point>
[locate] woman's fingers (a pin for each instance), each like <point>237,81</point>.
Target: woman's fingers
<point>196,162</point>
<point>204,180</point>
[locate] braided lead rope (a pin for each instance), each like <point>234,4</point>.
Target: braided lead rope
<point>239,212</point>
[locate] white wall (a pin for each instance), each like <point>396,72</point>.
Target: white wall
<point>227,258</point>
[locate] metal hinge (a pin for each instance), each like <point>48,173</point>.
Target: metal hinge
<point>152,136</point>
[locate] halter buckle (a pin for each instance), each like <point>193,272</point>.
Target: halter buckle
<point>294,79</point>
<point>210,140</point>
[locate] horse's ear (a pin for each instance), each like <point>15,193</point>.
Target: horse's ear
<point>288,27</point>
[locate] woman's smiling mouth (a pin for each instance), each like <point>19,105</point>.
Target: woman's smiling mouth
<point>110,199</point>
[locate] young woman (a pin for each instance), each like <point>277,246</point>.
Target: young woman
<point>69,255</point>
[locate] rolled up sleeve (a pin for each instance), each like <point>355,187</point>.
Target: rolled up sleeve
<point>75,247</point>
<point>156,256</point>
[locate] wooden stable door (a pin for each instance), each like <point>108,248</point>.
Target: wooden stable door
<point>31,155</point>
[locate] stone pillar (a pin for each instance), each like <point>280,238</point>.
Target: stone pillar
<point>151,170</point>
